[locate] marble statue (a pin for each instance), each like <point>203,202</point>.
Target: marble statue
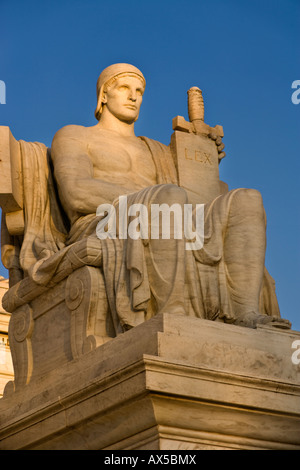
<point>49,200</point>
<point>137,281</point>
<point>97,164</point>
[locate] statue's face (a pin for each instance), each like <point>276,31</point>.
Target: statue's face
<point>124,97</point>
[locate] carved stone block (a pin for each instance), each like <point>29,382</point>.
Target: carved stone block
<point>61,324</point>
<point>173,382</point>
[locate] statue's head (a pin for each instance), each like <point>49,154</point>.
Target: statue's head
<point>118,76</point>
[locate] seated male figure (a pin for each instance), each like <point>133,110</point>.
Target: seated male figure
<point>224,280</point>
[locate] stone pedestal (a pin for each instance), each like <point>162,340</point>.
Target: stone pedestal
<point>171,383</point>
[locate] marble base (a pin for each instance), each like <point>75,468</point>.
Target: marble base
<point>173,382</point>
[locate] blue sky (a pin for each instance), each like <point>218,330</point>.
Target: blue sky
<point>243,54</point>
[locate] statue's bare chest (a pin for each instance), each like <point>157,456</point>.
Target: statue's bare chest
<point>111,153</point>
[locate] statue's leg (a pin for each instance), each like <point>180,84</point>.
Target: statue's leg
<point>165,258</point>
<point>244,255</point>
<point>244,249</point>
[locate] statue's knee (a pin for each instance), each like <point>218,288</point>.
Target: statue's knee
<point>248,200</point>
<point>171,194</point>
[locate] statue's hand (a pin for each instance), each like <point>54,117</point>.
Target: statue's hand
<point>218,141</point>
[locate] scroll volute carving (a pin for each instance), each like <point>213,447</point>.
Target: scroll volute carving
<point>20,332</point>
<point>86,300</point>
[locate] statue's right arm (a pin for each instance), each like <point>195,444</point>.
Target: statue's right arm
<point>73,170</point>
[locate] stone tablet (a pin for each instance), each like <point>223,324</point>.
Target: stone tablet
<point>197,152</point>
<point>197,162</point>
